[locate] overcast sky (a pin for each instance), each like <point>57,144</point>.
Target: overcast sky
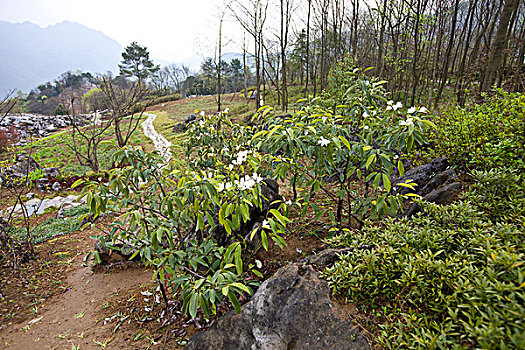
<point>173,30</point>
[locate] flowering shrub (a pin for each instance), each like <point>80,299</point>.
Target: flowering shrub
<point>357,148</point>
<point>185,221</point>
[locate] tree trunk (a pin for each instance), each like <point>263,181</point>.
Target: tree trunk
<point>498,45</point>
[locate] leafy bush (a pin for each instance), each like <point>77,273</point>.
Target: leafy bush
<point>355,144</point>
<point>453,277</point>
<point>185,222</point>
<point>482,136</point>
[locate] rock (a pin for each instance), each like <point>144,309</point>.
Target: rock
<point>31,125</point>
<point>51,172</point>
<point>439,180</point>
<point>56,187</point>
<point>25,165</point>
<point>253,238</point>
<point>42,183</point>
<point>291,310</point>
<point>30,195</point>
<point>422,174</point>
<point>190,118</point>
<point>180,127</point>
<point>443,195</point>
<point>116,252</point>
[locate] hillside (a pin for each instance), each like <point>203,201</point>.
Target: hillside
<point>33,55</point>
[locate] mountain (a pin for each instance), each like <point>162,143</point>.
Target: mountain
<point>32,55</point>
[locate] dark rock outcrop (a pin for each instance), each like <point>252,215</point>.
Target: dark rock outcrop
<point>291,310</point>
<point>183,126</point>
<point>422,175</point>
<point>435,184</point>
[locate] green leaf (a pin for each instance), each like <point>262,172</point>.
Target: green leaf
<point>370,160</point>
<point>400,168</point>
<point>192,307</point>
<point>264,239</point>
<point>235,302</point>
<point>238,260</point>
<point>386,182</point>
<point>241,287</point>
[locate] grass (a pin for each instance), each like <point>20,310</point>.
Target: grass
<point>52,227</point>
<point>56,150</point>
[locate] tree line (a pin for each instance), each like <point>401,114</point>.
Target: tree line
<point>425,49</point>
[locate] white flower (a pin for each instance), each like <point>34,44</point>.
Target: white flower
<point>411,110</point>
<point>227,110</point>
<point>391,105</point>
<point>266,224</point>
<point>288,202</point>
<point>246,183</point>
<point>222,186</point>
<point>201,123</point>
<point>241,157</point>
<point>366,127</point>
<point>203,113</point>
<point>257,178</point>
<point>407,122</point>
<point>261,102</point>
<point>323,142</point>
<point>230,166</point>
<point>146,293</point>
<point>423,110</point>
<point>365,114</point>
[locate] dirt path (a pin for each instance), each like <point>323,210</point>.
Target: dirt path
<point>159,142</point>
<point>73,317</point>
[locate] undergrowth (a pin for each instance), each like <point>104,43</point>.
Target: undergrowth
<point>452,277</point>
<point>52,227</point>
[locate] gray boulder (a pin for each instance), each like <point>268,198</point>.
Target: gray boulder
<point>442,195</point>
<point>291,310</point>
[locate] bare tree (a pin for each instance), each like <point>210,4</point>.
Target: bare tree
<point>178,74</point>
<point>124,99</point>
<point>251,15</point>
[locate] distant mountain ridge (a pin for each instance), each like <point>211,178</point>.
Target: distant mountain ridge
<point>32,55</point>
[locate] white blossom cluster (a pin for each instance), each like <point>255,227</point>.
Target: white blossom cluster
<point>392,106</point>
<point>409,121</point>
<point>246,182</point>
<point>323,142</point>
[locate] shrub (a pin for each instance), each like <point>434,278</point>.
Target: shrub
<point>482,136</point>
<point>453,277</point>
<point>354,144</point>
<point>185,222</point>
<point>164,99</point>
